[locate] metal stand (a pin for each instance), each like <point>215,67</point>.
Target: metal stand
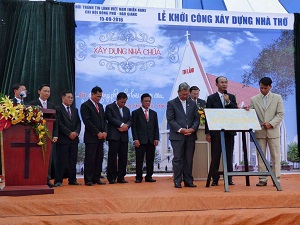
<point>245,173</point>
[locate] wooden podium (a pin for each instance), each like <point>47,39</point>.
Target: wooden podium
<point>202,157</point>
<point>24,169</point>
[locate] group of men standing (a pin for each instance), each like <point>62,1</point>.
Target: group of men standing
<point>113,124</point>
<point>183,120</point>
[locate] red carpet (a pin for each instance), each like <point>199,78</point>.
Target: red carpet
<point>158,203</point>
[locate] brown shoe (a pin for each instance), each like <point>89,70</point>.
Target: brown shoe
<point>261,184</point>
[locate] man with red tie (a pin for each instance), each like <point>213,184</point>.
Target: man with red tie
<point>95,133</point>
<point>145,135</point>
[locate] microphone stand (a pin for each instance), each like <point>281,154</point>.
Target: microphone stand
<point>22,100</point>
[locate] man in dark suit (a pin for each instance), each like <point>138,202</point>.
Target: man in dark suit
<point>43,102</point>
<point>20,93</point>
<point>69,125</point>
<point>119,121</point>
<point>183,119</point>
<point>194,94</point>
<point>145,135</point>
<point>95,133</point>
<point>221,99</point>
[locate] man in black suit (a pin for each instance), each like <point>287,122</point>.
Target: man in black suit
<point>221,99</point>
<point>69,125</point>
<point>145,135</point>
<point>95,133</point>
<point>194,94</point>
<point>20,93</point>
<point>183,119</point>
<point>119,121</point>
<point>43,102</point>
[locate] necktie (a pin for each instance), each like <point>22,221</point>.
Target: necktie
<point>44,105</point>
<point>146,115</point>
<point>223,101</point>
<point>184,106</point>
<point>121,111</point>
<point>69,112</point>
<point>265,101</point>
<point>97,107</point>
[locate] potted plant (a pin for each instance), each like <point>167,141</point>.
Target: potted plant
<point>241,166</point>
<point>285,165</point>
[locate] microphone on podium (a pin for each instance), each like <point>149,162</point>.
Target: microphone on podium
<point>22,95</point>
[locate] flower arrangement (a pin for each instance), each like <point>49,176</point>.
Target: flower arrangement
<point>11,114</point>
<point>201,114</point>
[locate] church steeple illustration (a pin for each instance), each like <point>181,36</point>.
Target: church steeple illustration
<point>192,72</point>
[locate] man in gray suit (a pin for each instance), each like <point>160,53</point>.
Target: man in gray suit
<point>269,110</point>
<point>183,119</point>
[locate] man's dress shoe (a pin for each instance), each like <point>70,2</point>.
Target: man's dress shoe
<point>190,185</point>
<point>150,180</point>
<point>58,184</point>
<point>177,185</point>
<point>138,181</point>
<point>99,182</point>
<point>122,181</point>
<point>89,184</point>
<point>214,183</point>
<point>230,183</point>
<point>261,184</point>
<point>74,183</point>
<point>112,182</point>
<point>50,185</point>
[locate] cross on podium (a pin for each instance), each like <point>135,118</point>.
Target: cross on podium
<point>27,146</point>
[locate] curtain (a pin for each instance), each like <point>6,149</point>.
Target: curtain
<point>37,47</point>
<point>297,70</point>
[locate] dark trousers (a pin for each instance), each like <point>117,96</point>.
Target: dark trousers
<point>93,162</point>
<point>216,154</point>
<point>149,150</point>
<point>183,160</point>
<point>117,160</point>
<point>66,154</point>
<point>51,166</point>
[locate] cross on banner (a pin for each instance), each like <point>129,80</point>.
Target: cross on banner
<point>187,36</point>
<point>27,146</point>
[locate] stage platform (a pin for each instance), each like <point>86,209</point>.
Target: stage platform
<point>158,203</point>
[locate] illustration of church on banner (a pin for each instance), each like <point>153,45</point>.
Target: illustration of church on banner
<point>192,72</point>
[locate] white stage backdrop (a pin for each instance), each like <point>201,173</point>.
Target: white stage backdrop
<point>139,50</point>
